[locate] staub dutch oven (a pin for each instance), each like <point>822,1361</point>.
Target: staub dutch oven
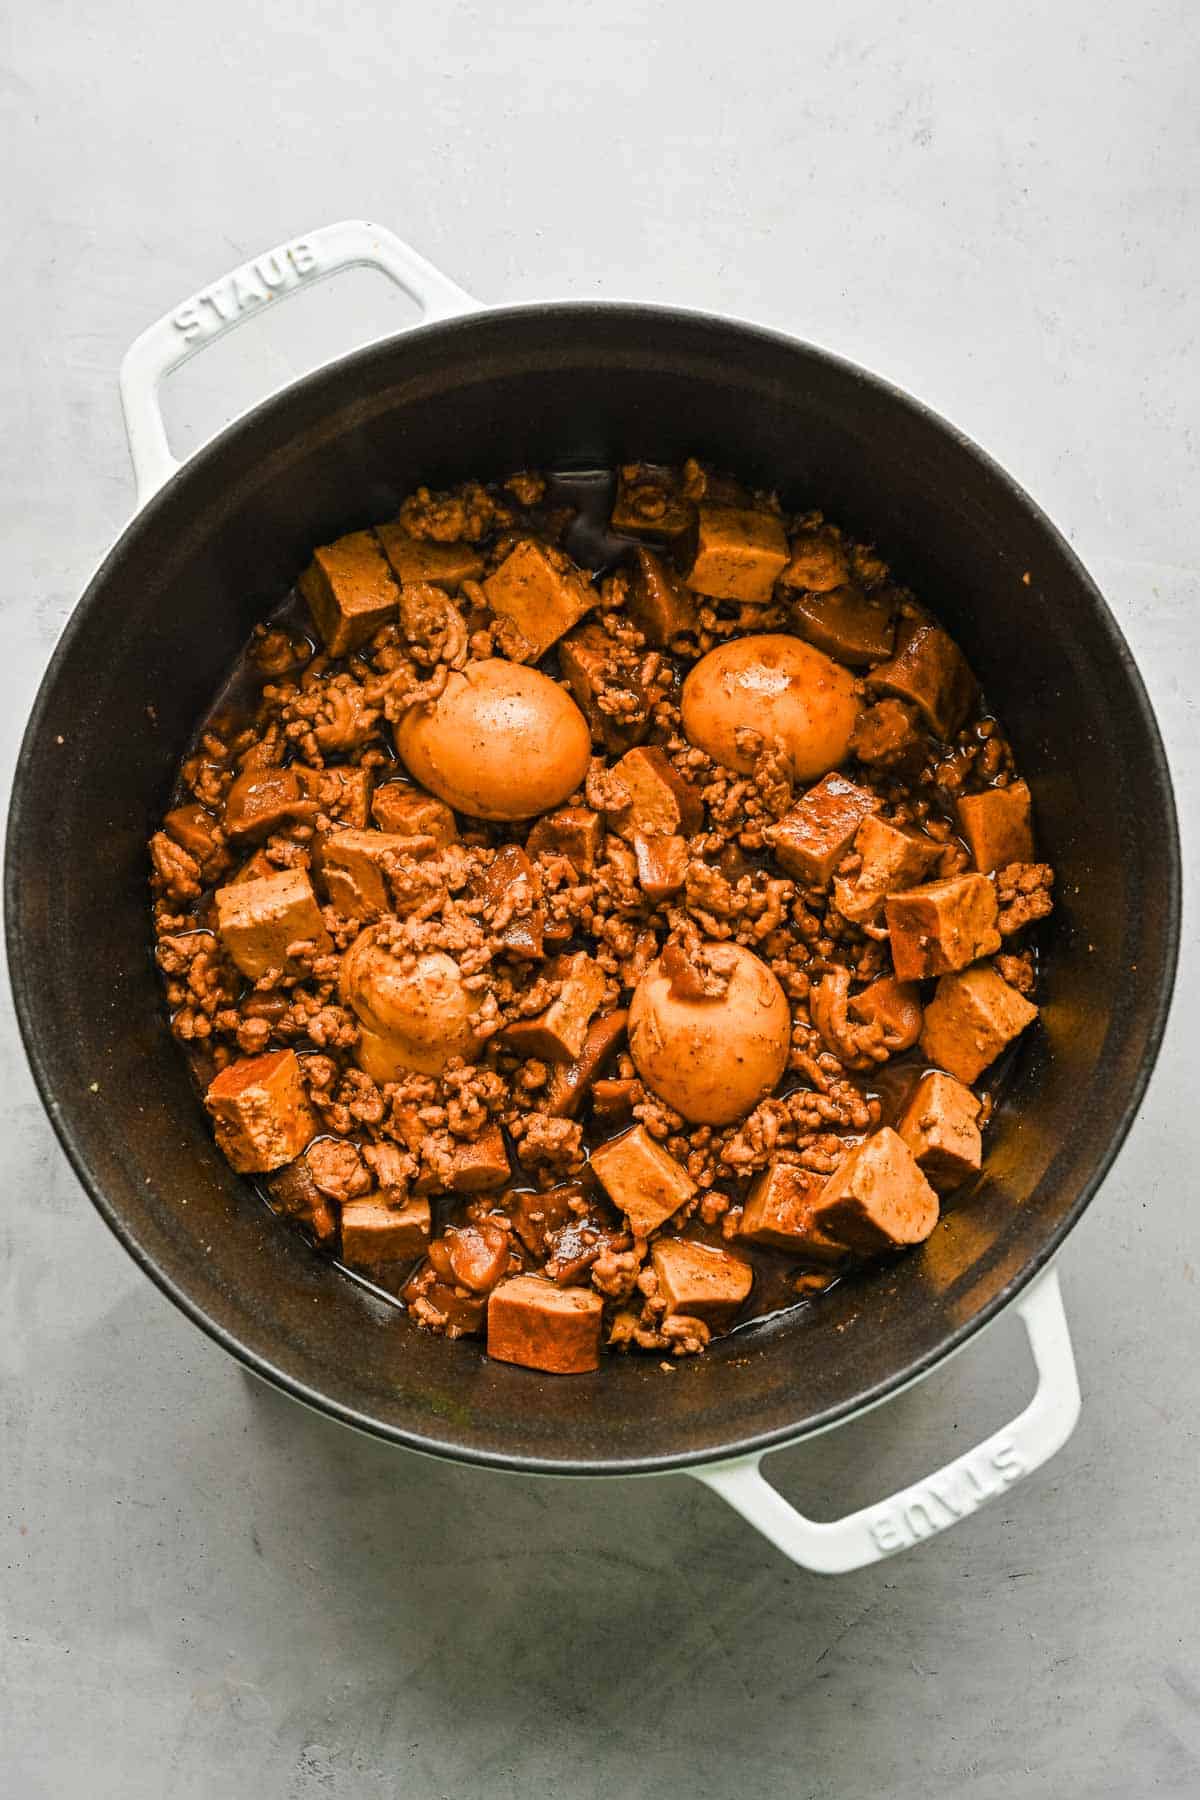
<point>482,391</point>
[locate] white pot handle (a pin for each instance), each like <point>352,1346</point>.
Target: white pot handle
<point>225,304</point>
<point>941,1500</point>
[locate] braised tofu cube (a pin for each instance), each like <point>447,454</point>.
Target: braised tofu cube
<point>972,1017</point>
<point>354,869</point>
<point>642,1180</point>
<point>818,561</point>
<point>650,503</point>
<point>931,671</point>
<point>740,552</point>
<point>852,627</point>
<point>895,1006</point>
<point>343,793</point>
<point>541,591</point>
<point>260,1109</point>
<point>260,921</point>
<point>939,1126</point>
<point>998,826</point>
<point>416,560</point>
<point>537,1325</point>
<point>511,889</point>
<point>406,811</point>
<point>779,1212</point>
<point>878,1199</point>
<point>810,841</point>
<point>698,1281</point>
<point>573,831</point>
<point>477,1166</point>
<point>892,859</point>
<point>374,1232</point>
<point>658,603</point>
<point>350,591</point>
<point>942,926</point>
<point>661,865</point>
<point>661,803</point>
<point>585,657</point>
<point>557,1034</point>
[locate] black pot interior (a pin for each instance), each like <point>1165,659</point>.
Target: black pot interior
<point>576,385</point>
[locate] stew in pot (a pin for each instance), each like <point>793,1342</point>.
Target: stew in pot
<point>598,910</point>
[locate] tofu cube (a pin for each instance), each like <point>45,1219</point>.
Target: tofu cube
<point>818,562</point>
<point>537,1325</point>
<point>406,811</point>
<point>262,801</point>
<point>374,1232</point>
<point>541,591</point>
<point>260,1109</point>
<point>942,926</point>
<point>810,841</point>
<point>350,591</point>
<point>557,1035</point>
<point>939,1127</point>
<point>701,1282</point>
<point>511,889</point>
<point>895,1005</point>
<point>972,1017</point>
<point>661,865</point>
<point>258,921</point>
<point>998,826</point>
<point>353,869</point>
<point>852,627</point>
<point>478,1166</point>
<point>414,560</point>
<point>878,1199</point>
<point>931,671</point>
<point>779,1213</point>
<point>740,553</point>
<point>892,860</point>
<point>657,601</point>
<point>584,657</point>
<point>642,1180</point>
<point>661,803</point>
<point>573,831</point>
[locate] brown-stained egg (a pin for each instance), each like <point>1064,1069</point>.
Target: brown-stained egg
<point>714,1059</point>
<point>776,685</point>
<point>414,1011</point>
<point>502,741</point>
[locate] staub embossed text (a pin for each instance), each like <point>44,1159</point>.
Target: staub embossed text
<point>255,282</point>
<point>935,1504</point>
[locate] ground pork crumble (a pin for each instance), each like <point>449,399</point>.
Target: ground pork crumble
<point>412,1023</point>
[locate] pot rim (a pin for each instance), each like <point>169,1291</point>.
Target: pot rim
<point>25,995</point>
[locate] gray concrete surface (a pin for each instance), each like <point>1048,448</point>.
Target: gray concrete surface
<point>206,1593</point>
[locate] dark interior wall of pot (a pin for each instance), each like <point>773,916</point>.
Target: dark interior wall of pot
<point>167,614</point>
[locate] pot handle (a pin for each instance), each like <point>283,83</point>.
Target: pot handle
<point>942,1499</point>
<point>225,304</point>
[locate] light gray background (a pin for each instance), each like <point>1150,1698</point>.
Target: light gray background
<point>205,1591</point>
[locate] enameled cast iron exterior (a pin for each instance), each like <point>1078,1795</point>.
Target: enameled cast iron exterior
<point>167,613</point>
